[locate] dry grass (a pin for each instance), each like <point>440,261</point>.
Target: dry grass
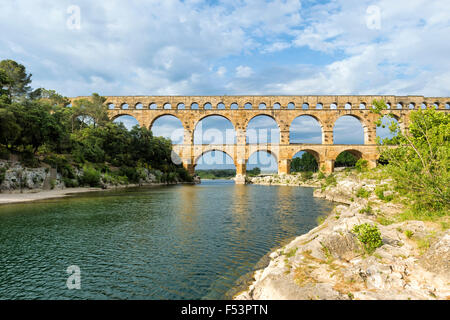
<point>303,275</point>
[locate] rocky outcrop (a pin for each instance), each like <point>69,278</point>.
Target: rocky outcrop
<point>329,262</point>
<point>437,258</point>
<point>14,177</point>
<point>285,180</point>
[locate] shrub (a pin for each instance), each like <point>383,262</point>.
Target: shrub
<point>90,176</point>
<point>29,160</point>
<point>369,236</point>
<point>70,183</point>
<point>61,163</point>
<point>409,234</point>
<point>362,193</point>
<point>361,165</point>
<point>320,220</point>
<point>379,192</point>
<point>2,174</point>
<point>307,175</point>
<point>367,209</point>
<point>321,175</point>
<point>419,165</point>
<point>4,153</point>
<point>291,252</point>
<point>384,221</point>
<point>330,180</point>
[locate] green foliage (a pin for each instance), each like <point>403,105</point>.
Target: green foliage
<point>254,172</point>
<point>369,236</point>
<point>420,163</point>
<point>90,111</point>
<point>291,253</point>
<point>90,177</point>
<point>379,192</point>
<point>15,79</point>
<point>384,221</point>
<point>321,175</point>
<point>345,159</point>
<point>307,162</point>
<point>409,234</point>
<point>70,183</point>
<point>362,193</point>
<point>330,180</point>
<point>2,174</point>
<point>320,220</point>
<point>216,173</point>
<point>424,243</point>
<point>62,165</point>
<point>361,165</point>
<point>307,175</point>
<point>367,209</point>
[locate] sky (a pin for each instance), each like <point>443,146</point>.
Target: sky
<point>233,47</point>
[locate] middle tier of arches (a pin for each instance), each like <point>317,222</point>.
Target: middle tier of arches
<point>282,123</point>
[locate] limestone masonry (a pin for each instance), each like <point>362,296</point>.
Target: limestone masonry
<point>239,110</point>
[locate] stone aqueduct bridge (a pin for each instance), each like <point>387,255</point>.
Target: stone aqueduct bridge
<point>239,110</point>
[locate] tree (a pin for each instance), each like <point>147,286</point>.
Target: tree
<point>50,97</point>
<point>254,172</point>
<point>90,110</point>
<point>419,163</point>
<point>18,80</point>
<point>345,159</point>
<point>9,129</point>
<point>38,125</point>
<point>4,83</point>
<point>306,162</point>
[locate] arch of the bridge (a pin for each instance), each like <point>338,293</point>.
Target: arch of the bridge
<point>273,150</point>
<point>202,150</point>
<point>163,114</point>
<point>317,151</point>
<point>241,120</point>
<point>118,115</point>
<point>320,158</point>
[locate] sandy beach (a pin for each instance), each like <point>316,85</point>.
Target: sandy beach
<point>8,198</point>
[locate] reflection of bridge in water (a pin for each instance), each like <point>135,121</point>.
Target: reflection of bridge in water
<point>239,110</point>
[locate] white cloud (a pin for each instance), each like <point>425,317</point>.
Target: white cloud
<point>193,47</point>
<point>276,46</point>
<point>244,72</point>
<point>405,56</point>
<point>221,71</point>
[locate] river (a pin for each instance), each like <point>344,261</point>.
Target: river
<point>171,242</point>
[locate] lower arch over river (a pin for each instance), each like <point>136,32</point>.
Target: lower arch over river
<point>175,242</point>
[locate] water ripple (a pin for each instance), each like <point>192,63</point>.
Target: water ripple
<point>178,242</point>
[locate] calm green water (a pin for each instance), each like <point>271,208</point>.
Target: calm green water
<point>175,242</point>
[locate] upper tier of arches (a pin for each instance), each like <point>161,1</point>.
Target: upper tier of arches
<point>273,102</point>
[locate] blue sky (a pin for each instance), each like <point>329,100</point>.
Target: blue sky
<point>192,47</point>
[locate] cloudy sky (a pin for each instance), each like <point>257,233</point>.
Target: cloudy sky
<point>231,47</point>
<point>218,47</point>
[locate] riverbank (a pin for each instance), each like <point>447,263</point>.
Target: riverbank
<point>330,262</point>
<point>35,195</point>
<point>23,184</point>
